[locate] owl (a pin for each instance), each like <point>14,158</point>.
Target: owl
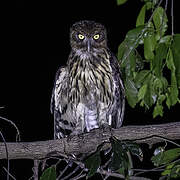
<point>88,92</point>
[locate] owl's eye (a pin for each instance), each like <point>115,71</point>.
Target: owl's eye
<point>96,36</point>
<point>80,36</point>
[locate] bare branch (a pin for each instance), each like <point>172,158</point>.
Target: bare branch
<point>12,123</point>
<point>88,142</point>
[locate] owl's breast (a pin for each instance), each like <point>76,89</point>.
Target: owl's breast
<point>92,83</point>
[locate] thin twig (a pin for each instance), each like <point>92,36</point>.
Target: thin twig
<point>160,168</point>
<point>7,157</point>
<point>166,5</point>
<point>168,140</point>
<point>71,173</point>
<point>9,173</point>
<point>63,171</point>
<point>172,17</point>
<point>80,175</point>
<point>160,137</point>
<point>12,123</point>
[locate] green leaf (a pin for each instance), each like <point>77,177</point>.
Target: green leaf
<point>134,36</point>
<point>150,96</point>
<point>167,171</point>
<point>160,85</point>
<point>141,77</point>
<point>161,98</point>
<point>157,63</point>
<point>172,95</point>
<point>176,56</point>
<point>120,161</point>
<point>149,5</point>
<point>131,92</point>
<point>120,2</point>
<point>139,62</point>
<point>49,174</point>
<point>158,110</point>
<point>92,163</point>
<point>170,61</point>
<point>160,21</point>
<point>146,94</point>
<point>141,17</point>
<point>175,171</point>
<point>149,46</point>
<point>172,170</point>
<point>166,156</point>
<point>142,92</point>
<point>166,40</point>
<point>122,51</point>
<point>127,47</point>
<point>126,52</point>
<point>128,62</point>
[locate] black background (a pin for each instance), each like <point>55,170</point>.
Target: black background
<point>35,43</point>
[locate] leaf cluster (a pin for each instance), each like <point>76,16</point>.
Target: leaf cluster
<point>150,61</point>
<point>120,160</point>
<point>167,158</point>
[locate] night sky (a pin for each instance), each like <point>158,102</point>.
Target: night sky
<point>36,42</point>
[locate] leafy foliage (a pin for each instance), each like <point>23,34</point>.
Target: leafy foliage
<point>120,160</point>
<point>164,157</point>
<point>172,169</point>
<point>146,56</point>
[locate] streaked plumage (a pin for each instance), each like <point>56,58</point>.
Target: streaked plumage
<point>88,93</point>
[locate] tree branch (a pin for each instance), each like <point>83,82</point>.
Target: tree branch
<point>88,143</point>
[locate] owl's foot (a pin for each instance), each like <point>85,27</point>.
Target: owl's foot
<point>106,127</point>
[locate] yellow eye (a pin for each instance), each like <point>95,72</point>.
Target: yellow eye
<point>80,36</point>
<point>96,36</point>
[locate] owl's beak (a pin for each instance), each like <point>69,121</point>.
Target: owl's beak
<point>88,45</point>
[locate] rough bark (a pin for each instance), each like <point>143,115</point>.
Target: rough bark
<point>87,143</point>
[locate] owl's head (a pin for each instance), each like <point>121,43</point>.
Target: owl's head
<point>88,36</point>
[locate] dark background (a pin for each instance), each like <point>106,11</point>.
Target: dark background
<point>35,43</point>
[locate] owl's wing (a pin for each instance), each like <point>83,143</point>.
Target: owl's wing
<point>58,104</point>
<point>119,94</point>
<point>58,75</point>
